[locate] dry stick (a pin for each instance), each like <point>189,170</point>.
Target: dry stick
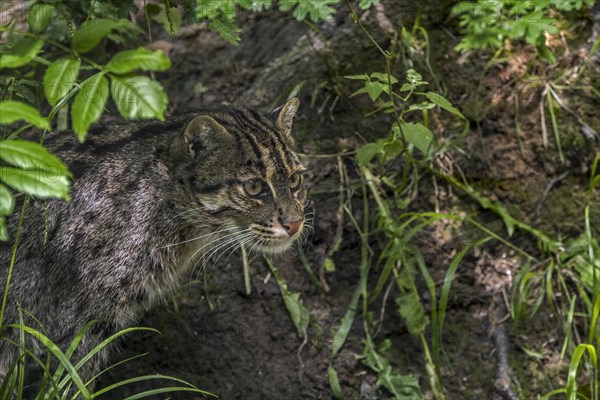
<point>551,184</point>
<point>501,341</point>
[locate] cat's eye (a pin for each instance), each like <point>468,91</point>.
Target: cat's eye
<point>253,187</point>
<point>295,180</point>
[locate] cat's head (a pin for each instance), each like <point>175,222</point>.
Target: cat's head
<point>246,178</point>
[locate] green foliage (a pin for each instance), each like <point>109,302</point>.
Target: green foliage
<point>221,14</point>
<point>485,24</point>
<point>403,387</point>
<point>400,102</point>
<point>65,380</point>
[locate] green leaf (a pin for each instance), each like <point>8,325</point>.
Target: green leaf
<point>60,77</point>
<point>31,155</point>
<point>22,51</point>
<point>316,10</point>
<point>334,383</point>
<point>374,89</point>
<point>139,97</point>
<point>384,77</point>
<point>329,265</point>
<point>42,184</point>
<point>12,111</point>
<point>3,230</point>
<point>140,58</point>
<point>412,311</point>
<point>92,32</point>
<point>298,312</point>
<point>416,134</point>
<point>366,153</point>
<point>439,100</point>
<point>89,104</point>
<point>40,16</point>
<point>363,77</point>
<point>227,30</point>
<point>7,201</point>
<point>172,22</point>
<point>364,4</point>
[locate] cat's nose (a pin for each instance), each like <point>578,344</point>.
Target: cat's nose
<point>292,227</point>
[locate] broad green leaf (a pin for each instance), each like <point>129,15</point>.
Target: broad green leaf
<point>40,16</point>
<point>416,134</point>
<point>92,32</point>
<point>42,184</point>
<point>89,104</point>
<point>424,105</point>
<point>60,77</point>
<point>439,100</point>
<point>12,111</point>
<point>384,77</point>
<point>139,97</point>
<point>22,51</point>
<point>140,58</point>
<point>30,155</point>
<point>7,201</point>
<point>227,30</point>
<point>374,89</point>
<point>366,153</point>
<point>364,4</point>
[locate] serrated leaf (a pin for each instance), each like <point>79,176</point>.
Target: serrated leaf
<point>227,30</point>
<point>89,104</point>
<point>416,134</point>
<point>41,184</point>
<point>7,201</point>
<point>139,97</point>
<point>59,78</point>
<point>40,16</point>
<point>22,51</point>
<point>439,100</point>
<point>31,155</point>
<point>140,58</point>
<point>12,111</point>
<point>412,311</point>
<point>91,33</point>
<point>315,10</point>
<point>172,22</point>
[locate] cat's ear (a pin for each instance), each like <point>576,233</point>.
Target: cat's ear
<point>203,132</point>
<point>284,115</point>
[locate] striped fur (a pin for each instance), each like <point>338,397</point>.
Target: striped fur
<point>150,202</point>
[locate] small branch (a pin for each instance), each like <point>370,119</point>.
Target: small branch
<point>504,371</point>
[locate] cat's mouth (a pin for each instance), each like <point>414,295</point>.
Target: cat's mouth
<point>277,240</point>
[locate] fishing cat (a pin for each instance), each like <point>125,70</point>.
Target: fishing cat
<point>150,201</point>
